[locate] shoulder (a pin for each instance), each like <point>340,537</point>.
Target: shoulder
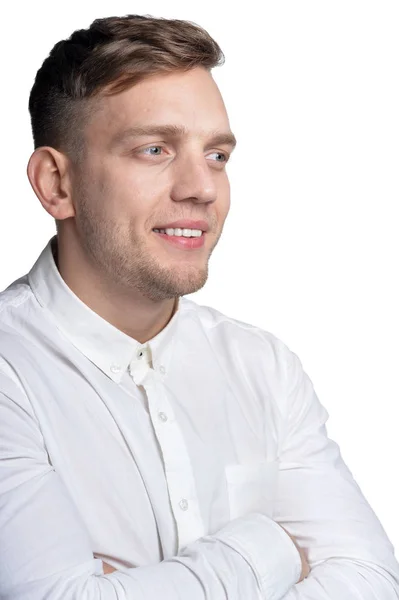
<point>14,296</point>
<point>239,336</point>
<point>16,312</point>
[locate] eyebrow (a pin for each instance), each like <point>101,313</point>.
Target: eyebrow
<point>216,137</point>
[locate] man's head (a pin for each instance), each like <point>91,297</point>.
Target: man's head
<point>131,134</point>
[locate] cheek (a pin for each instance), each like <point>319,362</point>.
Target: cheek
<point>224,196</point>
<point>129,203</point>
<point>135,188</point>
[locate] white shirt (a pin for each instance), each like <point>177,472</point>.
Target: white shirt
<point>175,461</point>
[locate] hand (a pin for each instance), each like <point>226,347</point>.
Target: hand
<point>107,568</point>
<point>305,564</point>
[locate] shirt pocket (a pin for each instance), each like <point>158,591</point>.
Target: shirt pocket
<point>251,488</point>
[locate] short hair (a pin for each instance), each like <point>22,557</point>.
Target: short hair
<point>110,56</point>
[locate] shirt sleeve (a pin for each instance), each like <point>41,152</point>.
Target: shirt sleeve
<point>45,549</point>
<point>321,505</point>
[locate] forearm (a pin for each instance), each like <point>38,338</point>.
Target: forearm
<point>231,564</point>
<point>196,579</point>
<point>249,558</point>
<point>345,579</point>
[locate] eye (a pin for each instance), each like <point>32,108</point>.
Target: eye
<point>158,150</point>
<point>220,157</point>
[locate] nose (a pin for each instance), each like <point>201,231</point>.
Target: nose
<point>194,180</point>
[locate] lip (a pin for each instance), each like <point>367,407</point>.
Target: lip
<point>185,224</point>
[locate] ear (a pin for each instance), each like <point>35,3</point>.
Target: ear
<point>50,177</point>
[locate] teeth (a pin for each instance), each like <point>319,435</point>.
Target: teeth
<point>181,232</point>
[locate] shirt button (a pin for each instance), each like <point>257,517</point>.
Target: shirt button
<point>115,368</point>
<point>163,417</point>
<point>183,504</point>
<point>140,353</point>
<point>162,369</point>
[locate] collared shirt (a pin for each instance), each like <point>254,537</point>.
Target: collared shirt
<point>175,461</point>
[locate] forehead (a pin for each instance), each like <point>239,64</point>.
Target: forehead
<point>188,99</point>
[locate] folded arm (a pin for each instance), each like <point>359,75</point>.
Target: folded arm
<point>321,505</point>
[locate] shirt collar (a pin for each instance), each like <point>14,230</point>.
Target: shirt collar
<point>110,349</point>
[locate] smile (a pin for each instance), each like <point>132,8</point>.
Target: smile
<point>181,241</point>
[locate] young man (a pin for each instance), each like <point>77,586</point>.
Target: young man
<point>151,447</point>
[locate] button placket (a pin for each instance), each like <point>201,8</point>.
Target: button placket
<point>178,468</point>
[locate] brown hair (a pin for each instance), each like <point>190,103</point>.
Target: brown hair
<point>111,55</point>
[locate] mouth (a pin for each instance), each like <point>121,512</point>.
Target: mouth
<point>184,242</point>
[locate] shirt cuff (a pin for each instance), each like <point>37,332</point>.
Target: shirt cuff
<point>268,549</point>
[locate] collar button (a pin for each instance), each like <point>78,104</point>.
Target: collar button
<point>115,368</point>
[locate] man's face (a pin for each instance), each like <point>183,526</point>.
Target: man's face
<point>133,181</point>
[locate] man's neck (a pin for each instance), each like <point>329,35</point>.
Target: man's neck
<point>138,317</point>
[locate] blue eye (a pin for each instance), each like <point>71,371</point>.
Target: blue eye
<point>153,148</point>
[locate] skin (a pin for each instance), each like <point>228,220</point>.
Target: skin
<point>107,205</point>
<point>305,565</point>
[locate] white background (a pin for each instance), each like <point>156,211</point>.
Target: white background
<point>310,249</point>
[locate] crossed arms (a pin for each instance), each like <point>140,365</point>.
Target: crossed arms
<point>46,552</point>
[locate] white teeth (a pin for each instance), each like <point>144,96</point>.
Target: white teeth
<point>181,232</point>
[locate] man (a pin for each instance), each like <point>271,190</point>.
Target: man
<point>151,447</point>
